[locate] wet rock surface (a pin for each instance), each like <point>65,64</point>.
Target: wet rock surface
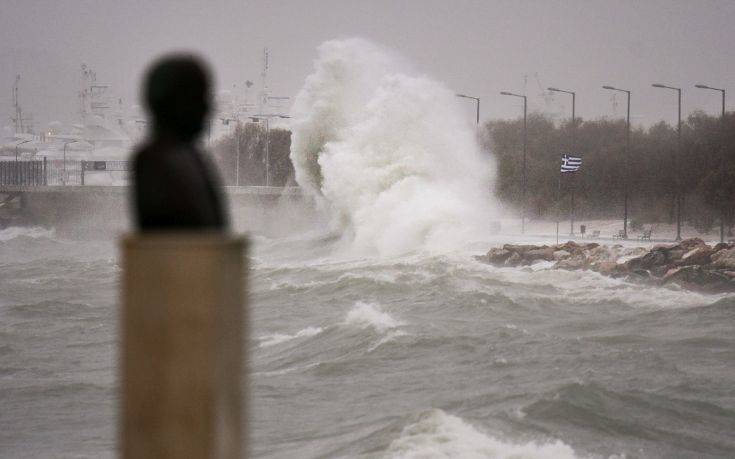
<point>691,263</point>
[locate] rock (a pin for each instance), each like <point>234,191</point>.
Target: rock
<point>700,278</point>
<point>542,253</point>
<point>642,273</point>
<point>675,254</point>
<point>561,254</point>
<point>608,268</point>
<point>635,251</point>
<point>572,263</point>
<point>569,246</point>
<point>514,260</point>
<point>723,245</point>
<point>724,258</point>
<point>697,256</point>
<point>600,254</point>
<point>692,243</point>
<point>517,248</point>
<point>497,256</point>
<point>661,270</point>
<point>662,247</point>
<point>656,257</point>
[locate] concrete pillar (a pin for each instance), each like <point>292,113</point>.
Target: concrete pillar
<point>182,346</point>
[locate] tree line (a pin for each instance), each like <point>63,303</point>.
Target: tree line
<point>248,140</point>
<point>653,169</point>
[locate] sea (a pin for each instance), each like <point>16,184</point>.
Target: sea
<point>418,355</point>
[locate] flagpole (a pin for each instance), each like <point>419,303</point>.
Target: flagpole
<point>574,152</point>
<point>558,206</point>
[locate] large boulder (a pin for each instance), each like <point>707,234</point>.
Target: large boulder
<point>514,260</point>
<point>519,248</point>
<point>692,243</point>
<point>724,259</point>
<point>700,278</point>
<point>607,268</point>
<point>497,256</point>
<point>572,263</point>
<point>656,257</point>
<point>675,254</point>
<point>600,253</point>
<point>697,256</point>
<point>541,253</point>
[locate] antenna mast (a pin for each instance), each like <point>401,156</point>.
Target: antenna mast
<point>264,91</point>
<point>18,118</point>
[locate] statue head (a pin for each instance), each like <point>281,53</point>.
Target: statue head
<point>178,96</point>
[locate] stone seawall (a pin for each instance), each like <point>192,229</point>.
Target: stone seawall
<point>691,263</point>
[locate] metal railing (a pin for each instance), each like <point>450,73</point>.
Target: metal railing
<point>23,173</point>
<point>55,172</point>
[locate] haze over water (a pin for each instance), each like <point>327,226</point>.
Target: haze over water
<point>375,333</point>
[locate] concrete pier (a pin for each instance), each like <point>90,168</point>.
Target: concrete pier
<point>183,314</point>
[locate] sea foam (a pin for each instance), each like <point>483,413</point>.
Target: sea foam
<point>367,315</point>
<point>279,338</point>
<point>437,434</point>
<point>390,154</point>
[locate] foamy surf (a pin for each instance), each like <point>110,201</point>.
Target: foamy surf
<point>436,434</point>
<point>33,232</point>
<point>389,153</point>
<point>367,315</point>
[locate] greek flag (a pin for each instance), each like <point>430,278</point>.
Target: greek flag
<point>570,163</point>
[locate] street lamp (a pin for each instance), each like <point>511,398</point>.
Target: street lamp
<point>266,118</point>
<point>477,100</point>
<point>722,159</point>
<point>574,128</point>
<point>677,172</point>
<point>16,148</point>
<point>63,181</point>
<point>525,146</point>
<point>226,122</point>
<point>626,160</point>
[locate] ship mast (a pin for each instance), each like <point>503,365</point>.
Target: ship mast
<point>18,118</point>
<point>264,91</point>
<point>21,125</point>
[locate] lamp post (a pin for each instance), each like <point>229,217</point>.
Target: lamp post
<point>477,100</point>
<point>574,128</point>
<point>525,147</point>
<point>266,118</point>
<point>677,172</point>
<point>63,181</point>
<point>16,148</point>
<point>626,160</point>
<point>226,122</point>
<point>722,159</point>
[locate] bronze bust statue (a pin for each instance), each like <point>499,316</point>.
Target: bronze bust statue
<point>175,187</point>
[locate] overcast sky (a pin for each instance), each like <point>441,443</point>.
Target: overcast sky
<point>475,47</point>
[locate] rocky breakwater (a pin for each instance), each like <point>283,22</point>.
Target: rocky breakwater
<point>690,263</point>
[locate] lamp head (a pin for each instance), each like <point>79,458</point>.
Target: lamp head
<point>702,86</point>
<point>506,93</point>
<point>609,87</point>
<point>658,85</point>
<point>553,89</point>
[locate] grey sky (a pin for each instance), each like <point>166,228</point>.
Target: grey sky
<point>476,47</point>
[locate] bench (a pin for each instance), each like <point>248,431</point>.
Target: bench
<point>646,236</point>
<point>620,235</point>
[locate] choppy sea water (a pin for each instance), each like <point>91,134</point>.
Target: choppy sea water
<point>419,356</point>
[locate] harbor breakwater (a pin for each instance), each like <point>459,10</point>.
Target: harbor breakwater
<point>691,263</point>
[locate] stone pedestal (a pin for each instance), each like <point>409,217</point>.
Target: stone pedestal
<point>182,320</point>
